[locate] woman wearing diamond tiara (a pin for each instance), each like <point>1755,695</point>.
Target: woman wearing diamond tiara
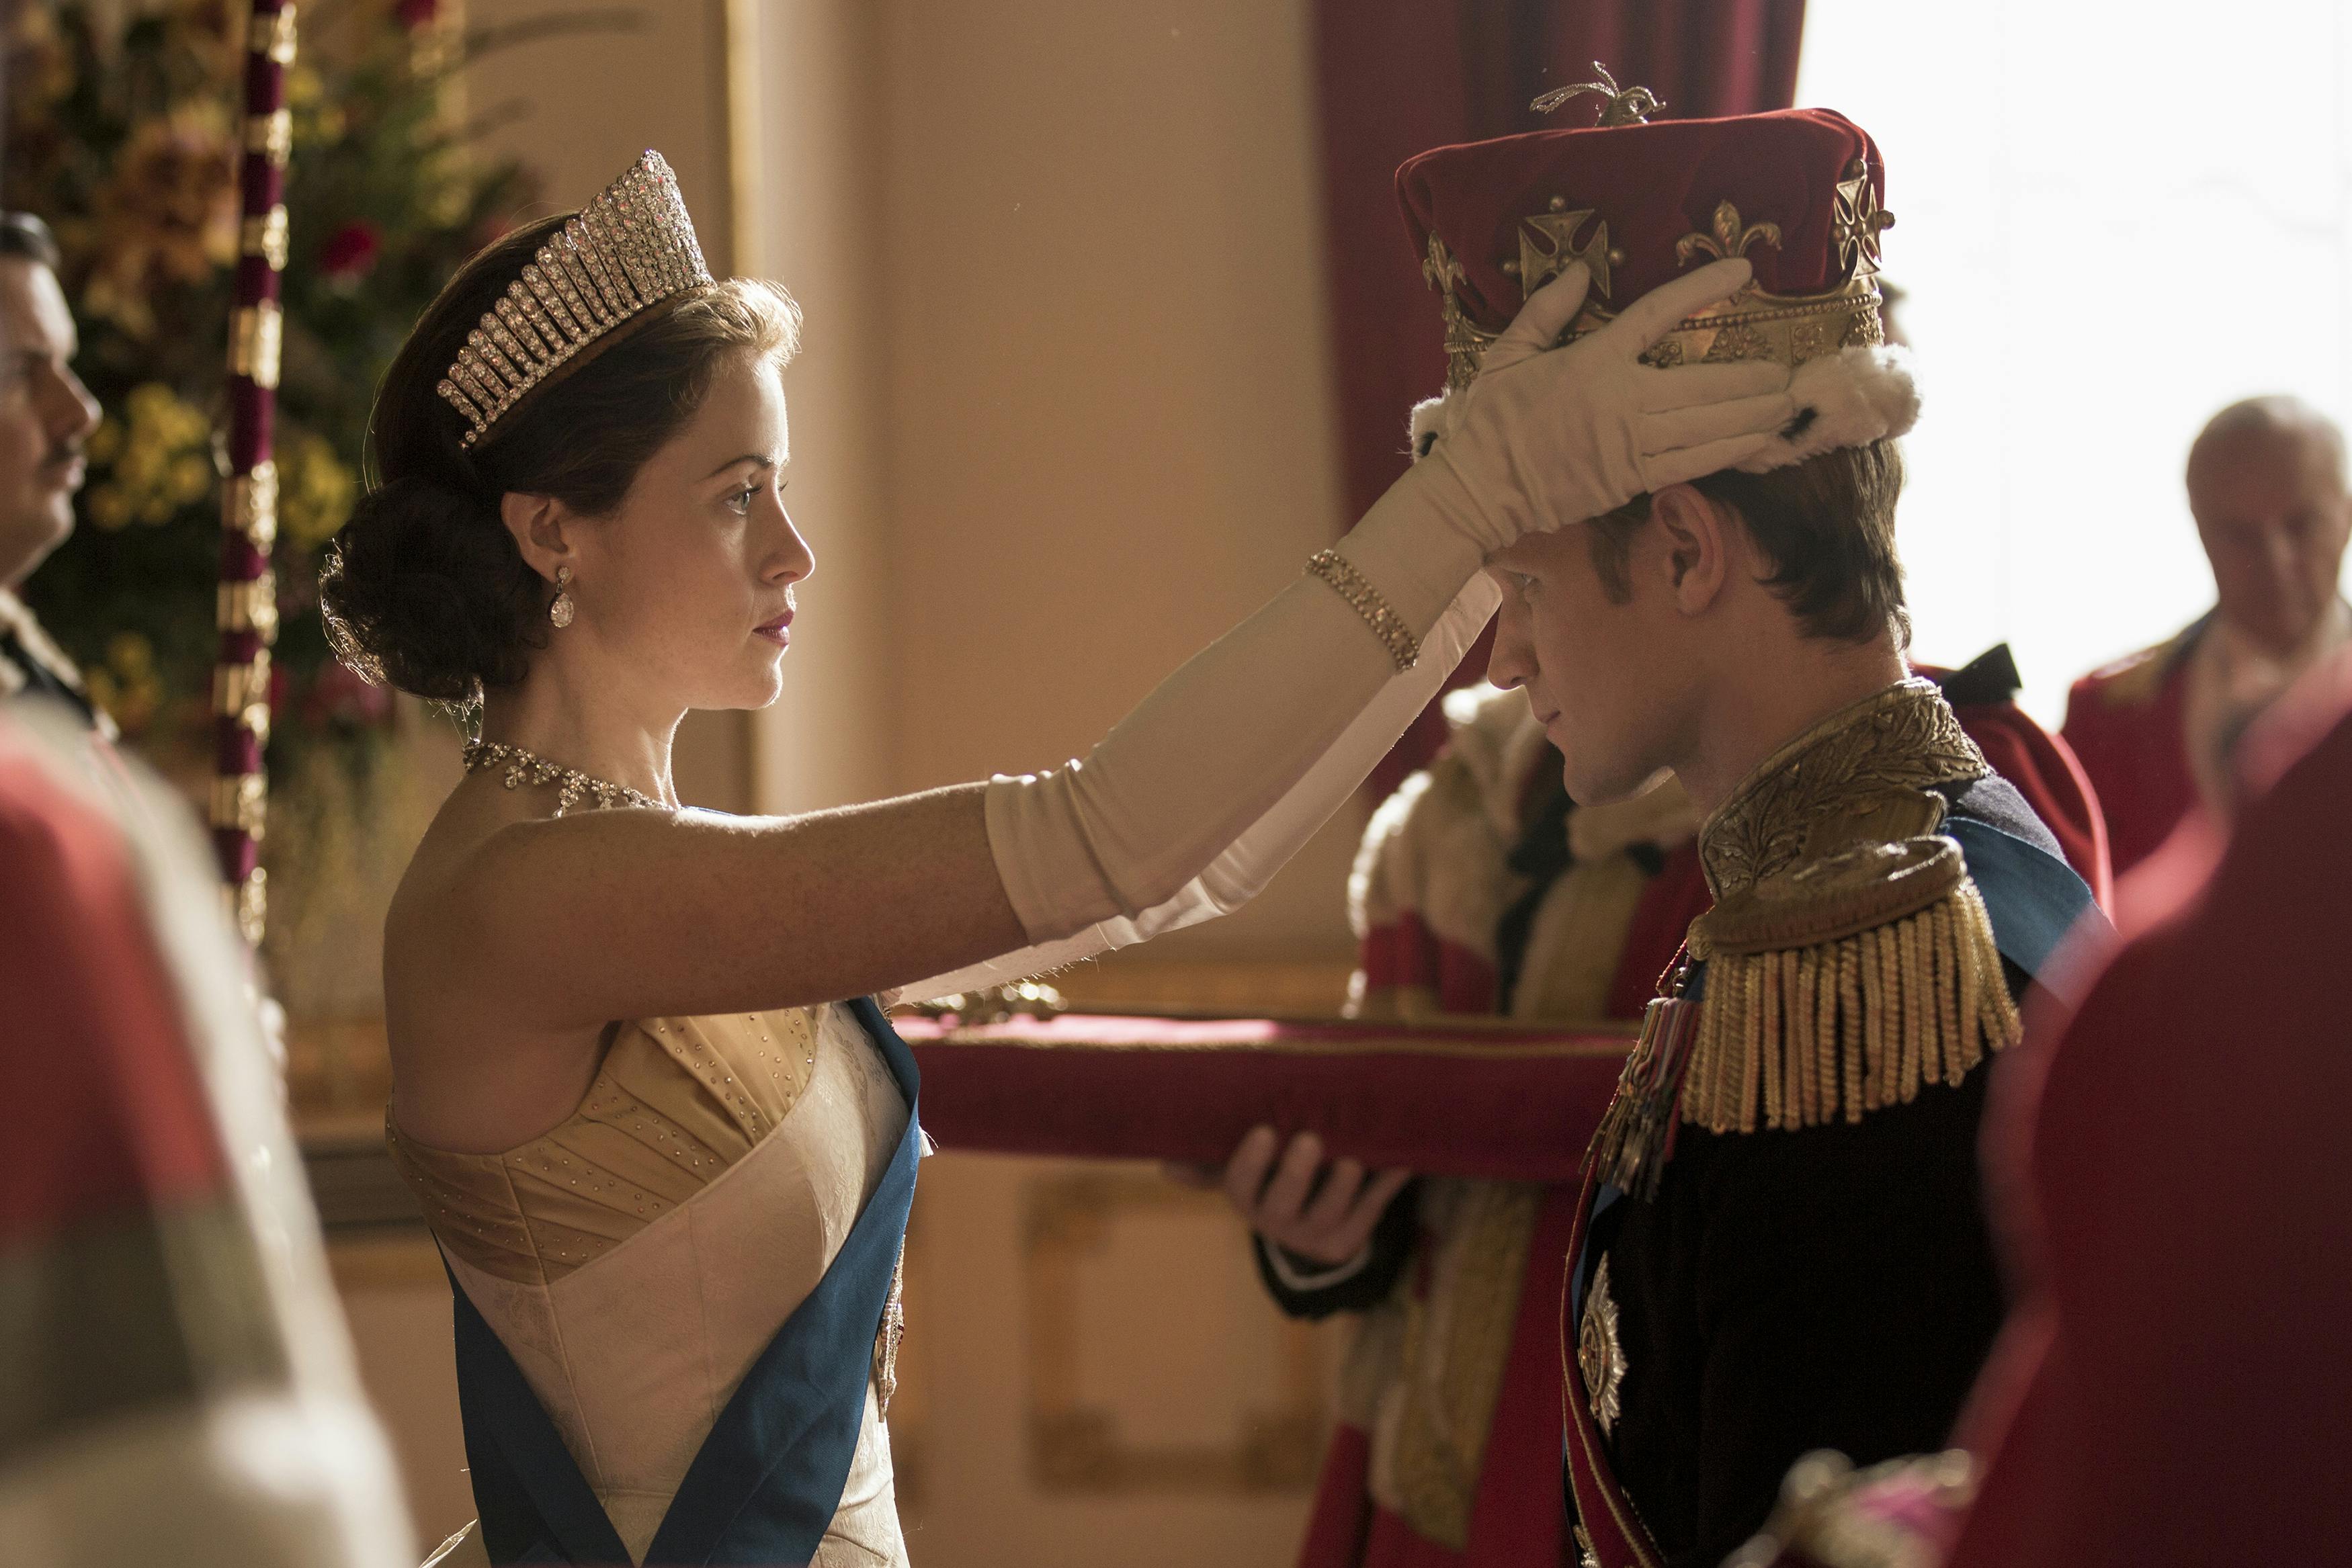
<point>668,1164</point>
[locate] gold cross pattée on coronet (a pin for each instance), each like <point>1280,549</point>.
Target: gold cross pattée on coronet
<point>1855,221</point>
<point>1547,247</point>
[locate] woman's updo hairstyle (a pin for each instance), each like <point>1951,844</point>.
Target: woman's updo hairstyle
<point>423,588</point>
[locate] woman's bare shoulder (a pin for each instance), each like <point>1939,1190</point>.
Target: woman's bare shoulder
<point>471,1069</point>
<point>443,893</point>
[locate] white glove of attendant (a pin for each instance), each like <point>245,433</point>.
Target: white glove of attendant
<point>1200,793</point>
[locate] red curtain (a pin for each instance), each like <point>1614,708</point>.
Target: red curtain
<point>1399,76</point>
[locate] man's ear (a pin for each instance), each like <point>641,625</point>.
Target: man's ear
<point>537,523</point>
<point>1695,536</point>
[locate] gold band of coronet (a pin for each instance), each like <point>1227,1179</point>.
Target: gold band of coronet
<point>1754,324</point>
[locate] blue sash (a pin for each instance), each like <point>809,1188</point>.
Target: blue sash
<point>765,1483</point>
<point>2032,896</point>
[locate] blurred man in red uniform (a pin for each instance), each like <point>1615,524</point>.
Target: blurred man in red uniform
<point>2155,731</point>
<point>175,1382</point>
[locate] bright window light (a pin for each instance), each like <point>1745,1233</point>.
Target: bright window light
<point>2112,219</point>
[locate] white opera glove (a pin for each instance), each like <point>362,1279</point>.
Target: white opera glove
<point>1545,437</point>
<point>1194,798</point>
<point>1028,817</point>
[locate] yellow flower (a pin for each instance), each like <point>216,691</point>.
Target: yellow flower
<point>105,442</point>
<point>157,459</point>
<point>191,478</point>
<point>316,491</point>
<point>167,215</point>
<point>170,417</point>
<point>109,508</point>
<point>447,202</point>
<point>126,686</point>
<point>130,653</point>
<point>303,88</point>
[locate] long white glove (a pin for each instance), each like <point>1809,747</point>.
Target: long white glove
<point>1241,871</point>
<point>1198,796</point>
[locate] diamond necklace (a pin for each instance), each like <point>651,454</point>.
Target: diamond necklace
<point>530,767</point>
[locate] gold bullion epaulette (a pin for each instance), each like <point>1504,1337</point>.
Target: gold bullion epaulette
<point>1849,957</point>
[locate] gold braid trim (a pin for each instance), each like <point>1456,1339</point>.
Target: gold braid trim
<point>1861,775</point>
<point>1805,1036</point>
<point>1850,959</point>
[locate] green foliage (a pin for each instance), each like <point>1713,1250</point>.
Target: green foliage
<point>123,135</point>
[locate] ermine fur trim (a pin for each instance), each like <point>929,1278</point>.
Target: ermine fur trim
<point>1428,423</point>
<point>1853,397</point>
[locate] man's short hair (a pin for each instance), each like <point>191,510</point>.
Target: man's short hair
<point>23,234</point>
<point>1826,525</point>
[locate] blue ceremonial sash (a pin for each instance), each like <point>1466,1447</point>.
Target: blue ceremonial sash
<point>2032,896</point>
<point>766,1481</point>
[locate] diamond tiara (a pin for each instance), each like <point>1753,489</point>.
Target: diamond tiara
<point>628,250</point>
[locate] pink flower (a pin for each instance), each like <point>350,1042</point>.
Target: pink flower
<point>350,251</point>
<point>338,697</point>
<point>414,14</point>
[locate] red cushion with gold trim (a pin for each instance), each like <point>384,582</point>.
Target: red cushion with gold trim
<point>1473,1100</point>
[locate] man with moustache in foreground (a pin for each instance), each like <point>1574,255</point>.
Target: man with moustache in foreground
<point>46,416</point>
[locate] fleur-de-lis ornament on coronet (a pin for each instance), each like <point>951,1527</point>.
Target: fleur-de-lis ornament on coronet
<point>1620,106</point>
<point>1730,238</point>
<point>1462,342</point>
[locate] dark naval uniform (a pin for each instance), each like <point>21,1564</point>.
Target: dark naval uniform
<point>1783,1246</point>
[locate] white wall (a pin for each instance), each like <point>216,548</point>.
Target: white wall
<point>2114,219</point>
<point>1063,412</point>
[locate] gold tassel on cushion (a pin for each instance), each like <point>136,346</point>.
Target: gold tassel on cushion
<point>1842,988</point>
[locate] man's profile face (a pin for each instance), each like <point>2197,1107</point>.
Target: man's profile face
<point>45,414</point>
<point>2271,511</point>
<point>1601,676</point>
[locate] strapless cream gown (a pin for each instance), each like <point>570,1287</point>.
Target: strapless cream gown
<point>635,1260</point>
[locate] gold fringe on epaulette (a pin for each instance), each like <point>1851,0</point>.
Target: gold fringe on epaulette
<point>1808,1036</point>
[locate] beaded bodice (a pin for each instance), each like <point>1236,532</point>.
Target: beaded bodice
<point>637,1259</point>
<point>677,1102</point>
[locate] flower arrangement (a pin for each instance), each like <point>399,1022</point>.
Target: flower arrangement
<point>122,133</point>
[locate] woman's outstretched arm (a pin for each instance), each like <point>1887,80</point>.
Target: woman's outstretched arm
<point>552,925</point>
<point>568,922</point>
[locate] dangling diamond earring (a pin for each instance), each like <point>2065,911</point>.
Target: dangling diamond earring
<point>560,611</point>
